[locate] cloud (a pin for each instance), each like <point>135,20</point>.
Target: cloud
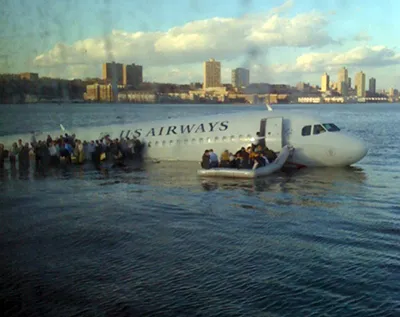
<point>361,37</point>
<point>256,41</point>
<point>221,38</point>
<point>363,56</point>
<point>283,7</point>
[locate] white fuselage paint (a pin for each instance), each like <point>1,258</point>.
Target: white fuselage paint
<point>187,138</point>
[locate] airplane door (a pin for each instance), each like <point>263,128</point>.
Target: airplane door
<point>271,129</point>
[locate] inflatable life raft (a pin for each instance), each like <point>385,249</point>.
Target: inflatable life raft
<point>272,167</point>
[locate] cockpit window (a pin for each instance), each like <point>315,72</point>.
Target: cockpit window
<point>331,127</point>
<point>306,130</point>
<point>318,129</point>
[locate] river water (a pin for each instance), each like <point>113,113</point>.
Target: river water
<point>161,242</point>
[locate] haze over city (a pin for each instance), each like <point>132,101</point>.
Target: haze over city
<point>280,42</point>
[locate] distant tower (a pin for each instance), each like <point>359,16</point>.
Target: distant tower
<point>343,81</point>
<point>112,72</point>
<point>132,75</point>
<point>211,73</point>
<point>325,82</point>
<point>372,85</point>
<point>360,84</point>
<point>240,77</point>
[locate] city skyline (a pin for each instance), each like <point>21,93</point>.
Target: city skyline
<point>279,42</point>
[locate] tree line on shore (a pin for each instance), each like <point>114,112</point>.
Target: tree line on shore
<point>13,89</point>
<point>19,90</point>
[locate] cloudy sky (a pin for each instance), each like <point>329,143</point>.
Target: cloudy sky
<point>280,41</point>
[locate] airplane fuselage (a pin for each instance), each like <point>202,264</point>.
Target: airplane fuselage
<point>187,138</point>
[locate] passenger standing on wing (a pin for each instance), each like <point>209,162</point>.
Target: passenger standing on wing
<point>14,154</point>
<point>213,159</point>
<point>96,156</point>
<point>33,138</point>
<point>53,154</point>
<point>23,157</point>
<point>138,149</point>
<point>2,156</point>
<point>49,140</point>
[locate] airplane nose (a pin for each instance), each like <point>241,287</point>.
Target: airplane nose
<point>356,151</point>
<point>361,149</point>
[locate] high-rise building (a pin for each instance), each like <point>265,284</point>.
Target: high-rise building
<point>393,93</point>
<point>211,73</point>
<point>359,84</point>
<point>343,88</point>
<point>132,75</point>
<point>325,82</point>
<point>240,77</point>
<point>349,83</point>
<point>372,85</point>
<point>112,73</point>
<point>343,77</point>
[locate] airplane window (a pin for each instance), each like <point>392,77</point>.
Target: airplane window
<point>171,142</point>
<point>216,139</point>
<point>318,129</point>
<point>242,138</point>
<point>331,127</point>
<point>193,140</point>
<point>186,141</point>
<point>249,136</point>
<point>224,139</point>
<point>232,138</point>
<point>163,143</point>
<point>209,140</point>
<point>156,143</point>
<point>201,140</point>
<point>178,142</point>
<point>306,130</point>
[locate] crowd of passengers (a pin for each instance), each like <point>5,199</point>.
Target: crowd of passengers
<point>67,149</point>
<point>252,157</point>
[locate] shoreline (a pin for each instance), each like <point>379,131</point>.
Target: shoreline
<point>193,103</point>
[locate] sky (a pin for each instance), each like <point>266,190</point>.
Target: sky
<point>281,42</point>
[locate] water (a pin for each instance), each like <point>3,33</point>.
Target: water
<point>161,242</point>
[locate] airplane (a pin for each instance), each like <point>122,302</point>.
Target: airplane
<point>316,143</point>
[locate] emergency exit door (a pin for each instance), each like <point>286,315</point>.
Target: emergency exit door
<point>271,130</point>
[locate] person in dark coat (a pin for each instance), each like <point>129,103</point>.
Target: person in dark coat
<point>205,160</point>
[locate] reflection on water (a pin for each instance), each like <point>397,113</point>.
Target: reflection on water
<point>292,180</point>
<point>306,187</point>
<point>183,174</point>
<point>319,187</point>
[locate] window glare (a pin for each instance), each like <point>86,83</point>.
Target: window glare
<point>331,127</point>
